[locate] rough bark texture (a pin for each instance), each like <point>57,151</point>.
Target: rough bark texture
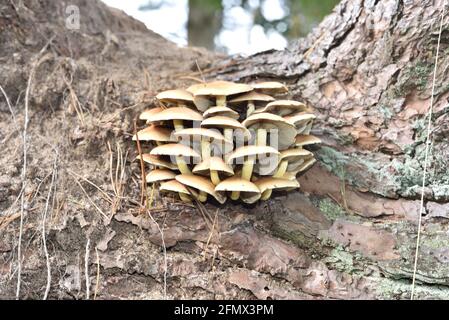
<point>348,234</point>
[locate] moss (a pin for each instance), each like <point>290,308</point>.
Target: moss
<point>331,210</point>
<point>413,77</point>
<point>401,289</point>
<point>333,160</point>
<point>386,112</point>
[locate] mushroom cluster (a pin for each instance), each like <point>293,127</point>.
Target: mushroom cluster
<point>224,139</point>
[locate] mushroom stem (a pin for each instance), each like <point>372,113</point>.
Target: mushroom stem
<point>250,108</point>
<point>178,125</point>
<point>202,197</point>
<point>214,177</point>
<point>247,171</point>
<point>261,139</point>
<point>184,197</point>
<point>221,101</point>
<point>159,143</point>
<point>205,148</point>
<point>228,134</point>
<point>282,168</point>
<point>182,165</point>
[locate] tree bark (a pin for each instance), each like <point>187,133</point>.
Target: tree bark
<point>349,233</point>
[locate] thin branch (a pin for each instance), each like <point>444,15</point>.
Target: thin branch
<point>86,269</point>
<point>44,221</point>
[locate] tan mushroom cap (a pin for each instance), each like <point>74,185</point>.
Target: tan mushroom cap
<point>147,114</point>
<point>213,163</point>
<point>295,153</point>
<point>252,96</point>
<point>304,140</point>
<point>202,184</point>
<point>304,166</point>
<point>270,87</point>
<point>174,186</point>
<point>176,113</point>
<point>295,157</point>
<point>221,111</point>
<point>268,121</point>
<point>177,95</point>
<point>157,161</point>
<point>225,122</point>
<point>154,133</point>
<point>159,175</point>
<point>245,151</point>
<point>283,107</point>
<point>174,149</point>
<point>219,88</point>
<point>300,121</point>
<point>249,192</point>
<point>202,132</point>
<point>270,183</point>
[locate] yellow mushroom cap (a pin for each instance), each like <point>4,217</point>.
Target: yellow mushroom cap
<point>147,114</point>
<point>221,111</point>
<point>269,183</point>
<point>157,161</point>
<point>202,184</point>
<point>159,175</point>
<point>154,133</point>
<point>304,166</point>
<point>283,107</point>
<point>225,122</point>
<point>174,149</point>
<point>294,153</point>
<point>304,140</point>
<point>177,95</point>
<point>176,113</point>
<point>213,163</point>
<point>249,192</point>
<point>270,87</point>
<point>252,150</point>
<point>300,121</point>
<point>174,186</point>
<point>219,88</point>
<point>201,132</point>
<point>252,96</point>
<point>268,121</point>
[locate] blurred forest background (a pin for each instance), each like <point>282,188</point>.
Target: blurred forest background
<point>229,26</point>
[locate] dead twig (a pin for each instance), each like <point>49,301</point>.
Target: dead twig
<point>37,62</point>
<point>44,221</point>
<point>86,269</point>
<point>97,281</point>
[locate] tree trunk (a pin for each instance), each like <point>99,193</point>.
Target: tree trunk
<point>349,233</point>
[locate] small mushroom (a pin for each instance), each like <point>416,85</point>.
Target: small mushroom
<point>154,133</point>
<point>218,89</point>
<point>214,166</point>
<point>283,107</point>
<point>304,166</point>
<point>305,140</point>
<point>157,161</point>
<point>207,137</point>
<point>295,157</point>
<point>270,87</point>
<point>179,188</point>
<point>251,98</point>
<point>147,114</point>
<point>250,153</point>
<point>269,184</point>
<point>250,193</point>
<point>261,122</point>
<point>228,125</point>
<point>158,175</point>
<point>177,115</point>
<point>301,121</point>
<point>202,184</point>
<point>221,111</point>
<point>179,151</point>
<point>179,97</point>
